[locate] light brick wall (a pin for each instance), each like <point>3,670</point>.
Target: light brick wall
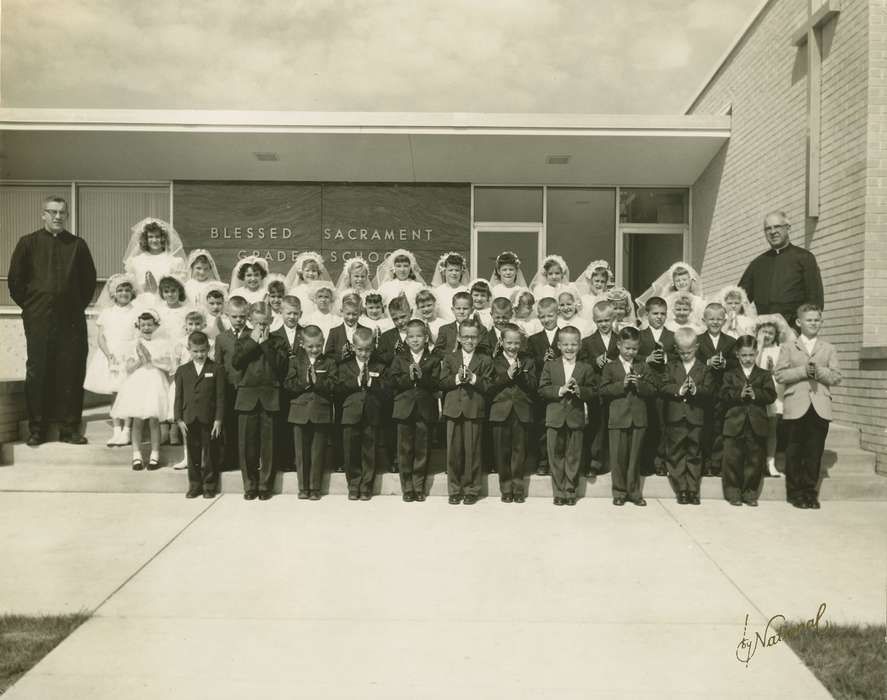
<point>763,167</point>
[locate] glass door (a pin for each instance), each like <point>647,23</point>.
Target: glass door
<point>645,252</point>
<point>488,240</point>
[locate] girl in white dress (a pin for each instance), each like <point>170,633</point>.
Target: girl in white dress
<point>450,276</point>
<point>772,330</point>
<point>593,284</point>
<point>322,297</point>
<point>427,311</point>
<point>275,285</point>
<point>144,392</point>
<point>116,340</point>
<point>399,274</point>
<point>680,314</point>
<point>680,277</point>
<point>173,312</point>
<point>248,279</point>
<point>741,313</point>
<point>154,251</point>
<point>202,276</point>
<point>525,313</point>
<point>507,276</point>
<point>552,276</point>
<point>568,312</point>
<point>623,308</point>
<point>481,300</point>
<point>374,316</point>
<point>354,279</point>
<point>307,272</point>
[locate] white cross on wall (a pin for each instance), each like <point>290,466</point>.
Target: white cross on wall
<point>809,36</point>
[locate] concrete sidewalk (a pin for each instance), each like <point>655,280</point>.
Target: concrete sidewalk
<point>391,600</point>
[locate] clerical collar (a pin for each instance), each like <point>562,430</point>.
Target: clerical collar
<point>777,251</point>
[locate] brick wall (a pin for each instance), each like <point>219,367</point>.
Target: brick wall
<point>763,167</point>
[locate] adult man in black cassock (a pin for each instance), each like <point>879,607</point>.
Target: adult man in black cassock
<point>784,277</point>
<point>52,278</point>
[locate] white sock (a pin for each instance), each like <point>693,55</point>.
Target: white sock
<point>155,455</point>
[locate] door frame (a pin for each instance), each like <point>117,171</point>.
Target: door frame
<point>508,227</point>
<point>648,230</point>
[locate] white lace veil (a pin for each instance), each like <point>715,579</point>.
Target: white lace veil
<point>507,257</point>
<point>106,298</point>
<point>620,294</point>
<point>439,276</point>
<point>196,253</point>
<point>344,281</point>
<point>173,240</point>
<point>784,332</point>
<point>385,269</point>
<point>539,277</point>
<point>250,259</point>
<point>294,276</point>
<point>748,307</point>
<point>663,286</point>
<point>584,281</point>
<point>317,286</point>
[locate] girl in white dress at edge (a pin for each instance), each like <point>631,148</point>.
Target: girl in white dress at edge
<point>398,274</point>
<point>116,340</point>
<point>772,330</point>
<point>154,251</point>
<point>248,279</point>
<point>307,272</point>
<point>144,393</point>
<point>507,276</point>
<point>450,276</point>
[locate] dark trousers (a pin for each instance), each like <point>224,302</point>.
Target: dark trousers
<point>230,458</point>
<point>284,448</point>
<point>684,456</point>
<point>412,454</point>
<point>310,441</point>
<point>255,436</point>
<point>712,440</point>
<point>359,447</point>
<point>598,418</point>
<point>202,472</point>
<point>805,441</point>
<point>625,455</point>
<point>538,435</point>
<point>743,466</point>
<point>653,447</point>
<point>510,448</point>
<point>564,455</point>
<point>464,471</point>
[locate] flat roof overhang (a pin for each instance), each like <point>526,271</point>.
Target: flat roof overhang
<point>508,149</point>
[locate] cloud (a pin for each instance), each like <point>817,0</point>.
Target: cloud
<point>396,55</point>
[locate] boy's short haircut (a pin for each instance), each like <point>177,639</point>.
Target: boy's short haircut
<point>425,295</point>
<point>399,304</point>
<point>547,304</point>
<point>569,330</point>
<point>350,302</point>
<point>292,300</point>
<point>512,327</point>
<point>805,307</point>
<point>364,335</point>
<point>501,304</point>
<point>481,287</point>
<point>464,296</point>
<point>260,308</point>
<point>416,323</point>
<point>629,333</point>
<point>745,341</point>
<point>215,294</point>
<point>198,339</point>
<point>276,286</point>
<point>655,302</point>
<point>372,298</point>
<point>470,323</point>
<point>714,306</point>
<point>682,298</point>
<point>312,332</point>
<point>524,298</point>
<point>685,336</point>
<point>602,307</point>
<point>237,302</point>
<point>195,316</point>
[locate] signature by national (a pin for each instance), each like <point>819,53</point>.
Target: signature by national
<point>771,636</point>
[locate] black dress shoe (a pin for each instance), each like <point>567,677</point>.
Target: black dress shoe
<point>137,465</point>
<point>640,502</point>
<point>153,465</point>
<point>365,496</point>
<point>34,439</point>
<point>753,502</point>
<point>209,493</point>
<point>353,496</point>
<point>694,499</point>
<point>507,499</point>
<point>264,495</point>
<point>618,501</point>
<point>193,493</point>
<point>409,497</point>
<point>519,499</point>
<point>734,502</point>
<point>73,439</point>
<point>469,500</point>
<point>682,498</point>
<point>249,495</point>
<point>314,496</point>
<point>814,503</point>
<point>420,497</point>
<point>454,500</point>
<point>558,501</point>
<point>303,495</point>
<point>797,503</point>
<point>571,501</point>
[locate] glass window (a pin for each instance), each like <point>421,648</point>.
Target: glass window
<point>508,204</point>
<point>581,226</point>
<point>490,243</point>
<point>646,255</point>
<point>654,206</point>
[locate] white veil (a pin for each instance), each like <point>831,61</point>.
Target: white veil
<point>173,241</point>
<point>106,298</point>
<point>385,269</point>
<point>583,283</point>
<point>236,282</point>
<point>439,276</point>
<point>196,253</point>
<point>539,277</point>
<point>621,294</point>
<point>507,257</point>
<point>748,307</point>
<point>344,281</point>
<point>294,276</point>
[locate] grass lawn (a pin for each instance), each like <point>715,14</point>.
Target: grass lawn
<point>849,660</point>
<point>25,639</point>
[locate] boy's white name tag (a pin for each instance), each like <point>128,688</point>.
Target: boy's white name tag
<point>320,371</point>
<point>374,374</point>
<point>208,375</point>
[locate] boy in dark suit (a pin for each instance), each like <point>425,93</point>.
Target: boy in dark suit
<point>716,351</point>
<point>199,411</point>
<point>361,390</point>
<point>465,377</point>
<point>311,380</point>
<point>448,335</point>
<point>597,350</point>
<point>686,391</point>
<point>414,377</point>
<point>626,387</point>
<point>512,391</point>
<point>392,343</point>
<point>262,361</point>
<point>746,391</point>
<point>543,347</point>
<point>236,309</point>
<point>567,384</point>
<point>501,312</point>
<point>656,349</point>
<point>290,334</point>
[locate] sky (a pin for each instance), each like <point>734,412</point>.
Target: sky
<point>563,56</point>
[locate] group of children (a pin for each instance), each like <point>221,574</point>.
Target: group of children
<point>275,371</point>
